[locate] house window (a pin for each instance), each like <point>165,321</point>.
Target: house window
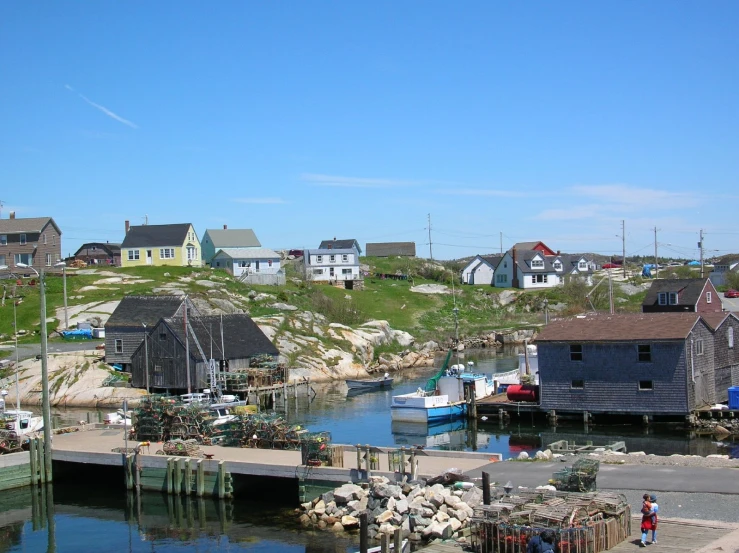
<point>667,298</point>
<point>582,265</point>
<point>269,262</point>
<point>699,347</point>
<point>2,260</point>
<point>501,278</point>
<point>332,258</point>
<point>345,258</point>
<point>575,352</point>
<point>537,264</point>
<point>3,239</point>
<point>218,263</point>
<point>646,385</point>
<point>119,346</point>
<point>319,259</point>
<point>538,279</point>
<point>346,271</point>
<point>708,297</point>
<point>577,384</point>
<point>23,239</point>
<point>48,260</point>
<point>729,333</point>
<point>158,369</point>
<point>317,271</point>
<point>331,272</point>
<point>644,353</point>
<point>45,239</point>
<point>557,266</point>
<point>133,255</point>
<point>25,258</point>
<point>162,336</point>
<point>191,253</point>
<point>53,239</point>
<point>166,253</point>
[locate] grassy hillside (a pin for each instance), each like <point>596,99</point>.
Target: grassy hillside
<point>426,316</point>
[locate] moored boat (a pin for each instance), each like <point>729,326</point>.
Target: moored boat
<point>372,384</point>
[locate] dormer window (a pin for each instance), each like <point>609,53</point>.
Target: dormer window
<point>557,266</point>
<point>537,264</point>
<point>582,265</point>
<point>23,239</point>
<point>667,298</point>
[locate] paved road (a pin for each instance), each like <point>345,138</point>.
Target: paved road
<point>622,477</point>
<point>32,350</point>
<point>730,304</point>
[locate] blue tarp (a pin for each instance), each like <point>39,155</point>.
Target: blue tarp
<point>82,334</point>
<point>694,263</point>
<point>646,271</point>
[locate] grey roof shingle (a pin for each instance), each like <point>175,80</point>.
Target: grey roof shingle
<point>603,327</point>
<point>493,260</point>
<point>132,311</point>
<point>688,290</point>
<point>156,236</point>
<point>248,253</point>
<point>242,337</point>
<point>28,224</point>
<point>233,238</point>
<point>340,244</point>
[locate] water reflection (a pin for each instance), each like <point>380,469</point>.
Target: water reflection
<point>31,520</point>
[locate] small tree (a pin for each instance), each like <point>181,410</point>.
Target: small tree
<point>732,280</point>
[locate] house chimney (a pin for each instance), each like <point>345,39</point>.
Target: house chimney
<point>225,227</point>
<point>558,252</point>
<point>128,226</point>
<point>514,280</point>
<point>12,214</point>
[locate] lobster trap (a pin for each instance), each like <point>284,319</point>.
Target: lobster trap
<point>581,522</point>
<point>578,478</point>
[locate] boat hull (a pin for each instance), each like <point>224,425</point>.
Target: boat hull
<point>422,408</point>
<point>369,384</point>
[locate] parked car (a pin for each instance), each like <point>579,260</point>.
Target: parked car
<point>611,266</point>
<point>731,294</point>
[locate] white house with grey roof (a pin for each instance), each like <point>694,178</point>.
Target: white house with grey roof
<point>332,265</point>
<point>225,239</point>
<point>533,269</point>
<point>247,261</point>
<point>481,270</point>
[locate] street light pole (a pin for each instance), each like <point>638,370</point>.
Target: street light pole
<point>46,406</point>
<point>15,335</point>
<point>64,279</point>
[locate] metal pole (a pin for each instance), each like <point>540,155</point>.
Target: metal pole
<point>656,263</point>
<point>66,313</point>
<point>623,241</point>
<point>17,389</point>
<point>146,354</point>
<point>45,381</point>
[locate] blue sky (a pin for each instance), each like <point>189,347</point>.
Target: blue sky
<point>304,121</point>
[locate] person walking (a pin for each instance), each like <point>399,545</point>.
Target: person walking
<point>543,543</point>
<point>655,509</point>
<point>646,519</point>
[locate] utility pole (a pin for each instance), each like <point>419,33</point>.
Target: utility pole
<point>623,242</point>
<point>700,245</point>
<point>431,253</point>
<point>656,263</point>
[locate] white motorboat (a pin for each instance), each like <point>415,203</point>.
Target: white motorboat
<point>529,357</point>
<point>119,418</point>
<point>22,423</point>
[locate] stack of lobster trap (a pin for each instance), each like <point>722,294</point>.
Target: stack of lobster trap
<point>582,522</point>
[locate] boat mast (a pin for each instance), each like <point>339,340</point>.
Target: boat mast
<point>187,351</point>
<point>456,320</point>
<point>17,389</point>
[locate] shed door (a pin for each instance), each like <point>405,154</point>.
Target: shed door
<point>148,257</point>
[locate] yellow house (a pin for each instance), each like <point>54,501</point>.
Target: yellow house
<point>161,245</point>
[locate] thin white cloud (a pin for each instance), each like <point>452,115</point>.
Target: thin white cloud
<point>355,182</point>
<point>258,200</point>
<point>483,192</point>
<point>105,110</point>
<point>570,213</point>
<point>627,195</point>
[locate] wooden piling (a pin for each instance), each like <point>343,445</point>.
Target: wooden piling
<point>221,480</point>
<point>485,488</point>
<point>33,454</point>
<point>177,480</point>
<point>168,475</point>
<point>363,532</point>
<point>41,450</point>
<point>384,543</point>
<point>398,540</point>
<point>188,477</point>
<point>200,479</point>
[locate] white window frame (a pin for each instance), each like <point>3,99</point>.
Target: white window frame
<point>48,260</point>
<point>345,258</point>
<point>23,240</point>
<point>699,347</point>
<point>192,253</point>
<point>319,259</point>
<point>119,346</point>
<point>557,266</point>
<point>166,253</point>
<point>44,238</point>
<point>2,259</point>
<point>673,298</point>
<point>537,263</point>
<point>346,271</point>
<point>708,297</point>
<point>648,388</point>
<point>317,271</point>
<point>332,259</point>
<point>3,239</point>
<point>25,258</point>
<point>729,335</point>
<point>134,255</point>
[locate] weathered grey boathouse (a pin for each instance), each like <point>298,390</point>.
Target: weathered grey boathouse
<point>649,363</point>
<point>131,320</point>
<point>232,340</point>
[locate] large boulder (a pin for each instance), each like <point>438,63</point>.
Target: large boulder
<point>347,493</point>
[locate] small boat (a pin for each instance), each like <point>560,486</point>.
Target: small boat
<point>119,418</point>
<point>404,547</point>
<point>423,406</point>
<point>521,375</point>
<point>374,384</point>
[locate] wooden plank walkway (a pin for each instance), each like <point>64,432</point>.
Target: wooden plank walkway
<point>679,536</point>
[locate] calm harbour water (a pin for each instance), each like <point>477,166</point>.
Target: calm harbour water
<point>86,518</point>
